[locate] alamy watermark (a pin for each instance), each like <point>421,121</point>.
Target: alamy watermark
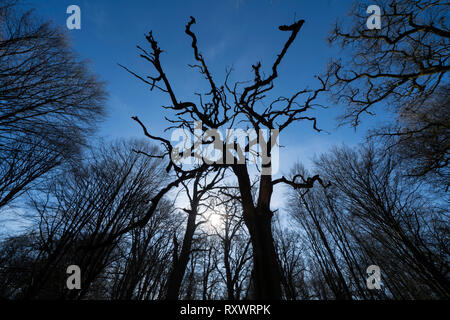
<point>74,280</point>
<point>374,279</point>
<point>374,20</point>
<point>74,20</point>
<point>237,146</point>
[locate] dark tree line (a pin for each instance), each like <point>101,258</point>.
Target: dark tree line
<point>143,226</point>
<point>373,214</point>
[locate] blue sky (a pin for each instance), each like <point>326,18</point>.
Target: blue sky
<point>230,33</point>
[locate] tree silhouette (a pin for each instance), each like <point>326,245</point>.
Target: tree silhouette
<point>223,106</point>
<point>49,100</point>
<point>403,67</point>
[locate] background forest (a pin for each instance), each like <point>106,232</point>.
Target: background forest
<point>142,227</point>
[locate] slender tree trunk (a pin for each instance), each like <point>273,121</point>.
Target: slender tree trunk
<point>229,277</point>
<point>180,262</point>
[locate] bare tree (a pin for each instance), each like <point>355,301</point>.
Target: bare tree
<point>234,252</point>
<point>141,271</point>
<point>49,100</point>
<point>372,214</point>
<point>79,212</point>
<point>291,253</point>
<point>223,106</point>
<point>421,139</point>
<point>200,189</point>
<point>403,67</point>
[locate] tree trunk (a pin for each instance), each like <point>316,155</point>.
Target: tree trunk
<point>258,219</point>
<point>229,277</point>
<point>180,262</point>
<point>265,263</point>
